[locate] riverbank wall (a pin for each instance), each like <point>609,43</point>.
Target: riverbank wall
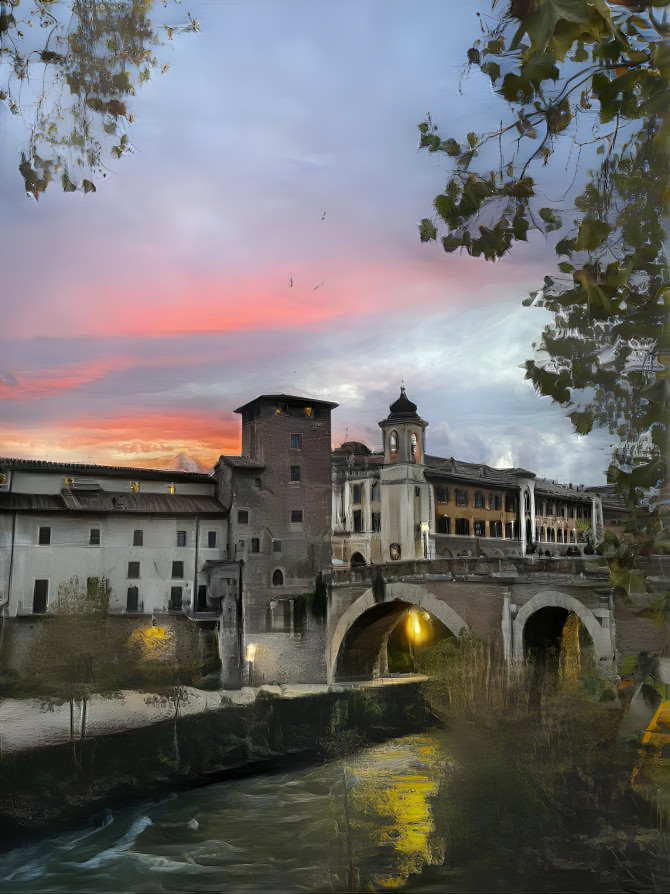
<point>41,789</point>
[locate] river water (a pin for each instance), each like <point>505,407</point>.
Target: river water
<point>360,823</point>
<point>276,832</point>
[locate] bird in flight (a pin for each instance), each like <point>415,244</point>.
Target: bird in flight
<point>317,287</point>
<point>323,216</point>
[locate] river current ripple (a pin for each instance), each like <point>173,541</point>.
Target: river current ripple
<point>276,832</point>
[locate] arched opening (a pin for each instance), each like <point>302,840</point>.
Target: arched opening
<point>393,446</point>
<point>386,639</point>
<point>277,577</point>
<point>357,560</point>
<point>556,640</point>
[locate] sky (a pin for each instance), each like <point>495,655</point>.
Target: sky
<point>262,238</point>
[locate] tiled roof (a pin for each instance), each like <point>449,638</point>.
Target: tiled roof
<point>40,465</point>
<point>164,504</point>
<point>242,462</point>
<point>473,473</point>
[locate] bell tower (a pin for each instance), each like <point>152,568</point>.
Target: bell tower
<point>404,432</point>
<point>405,493</point>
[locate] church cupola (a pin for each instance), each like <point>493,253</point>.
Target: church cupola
<point>404,432</point>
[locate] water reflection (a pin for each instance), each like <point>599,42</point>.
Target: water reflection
<point>284,832</point>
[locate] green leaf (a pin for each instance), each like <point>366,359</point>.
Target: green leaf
<point>592,233</point>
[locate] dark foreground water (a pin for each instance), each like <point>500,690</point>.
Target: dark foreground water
<point>287,832</point>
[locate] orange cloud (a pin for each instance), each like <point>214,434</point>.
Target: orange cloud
<point>148,441</point>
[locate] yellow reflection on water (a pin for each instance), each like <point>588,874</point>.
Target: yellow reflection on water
<point>391,823</point>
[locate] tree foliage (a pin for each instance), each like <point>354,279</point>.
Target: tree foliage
<point>582,83</point>
<point>69,70</point>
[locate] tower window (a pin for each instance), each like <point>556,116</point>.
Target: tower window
<point>413,444</point>
<point>393,444</point>
<point>296,516</point>
<point>295,442</point>
<point>295,473</point>
<point>277,578</point>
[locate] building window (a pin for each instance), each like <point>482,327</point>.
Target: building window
<point>94,537</point>
<point>138,538</point>
<point>509,530</point>
<point>243,517</point>
<point>358,521</point>
<point>480,528</point>
<point>132,599</point>
<point>258,482</point>
<point>295,442</point>
<point>463,526</point>
<point>295,473</point>
<point>442,494</point>
<point>495,529</point>
<point>177,569</point>
<point>255,545</point>
<point>181,538</point>
<point>44,536</point>
<point>277,578</point>
<point>412,444</point>
<point>374,493</point>
<point>133,569</point>
<point>393,445</point>
<point>40,594</point>
<point>494,501</point>
<point>296,516</point>
<point>276,546</point>
<point>510,503</point>
<point>175,599</point>
<point>376,521</point>
<point>201,605</point>
<point>357,493</point>
<point>134,487</point>
<point>170,488</point>
<point>461,497</point>
<point>211,539</point>
<point>444,525</point>
<point>479,500</point>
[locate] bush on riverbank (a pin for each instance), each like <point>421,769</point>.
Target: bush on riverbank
<point>541,774</point>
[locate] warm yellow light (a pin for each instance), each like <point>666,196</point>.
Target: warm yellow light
<point>414,627</point>
<point>250,653</point>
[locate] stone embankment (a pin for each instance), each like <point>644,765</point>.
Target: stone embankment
<point>134,749</point>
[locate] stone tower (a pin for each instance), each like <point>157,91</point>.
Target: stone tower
<point>405,493</point>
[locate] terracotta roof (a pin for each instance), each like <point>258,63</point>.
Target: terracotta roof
<point>242,462</point>
<point>40,465</point>
<point>164,504</point>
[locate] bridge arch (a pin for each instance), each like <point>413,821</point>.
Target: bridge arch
<point>407,594</point>
<point>601,636</point>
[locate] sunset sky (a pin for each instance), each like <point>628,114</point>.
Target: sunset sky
<point>262,238</point>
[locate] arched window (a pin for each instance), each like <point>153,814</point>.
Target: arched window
<point>414,447</point>
<point>393,445</point>
<point>277,578</point>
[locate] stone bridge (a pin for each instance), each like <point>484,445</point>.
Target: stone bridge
<point>516,603</point>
